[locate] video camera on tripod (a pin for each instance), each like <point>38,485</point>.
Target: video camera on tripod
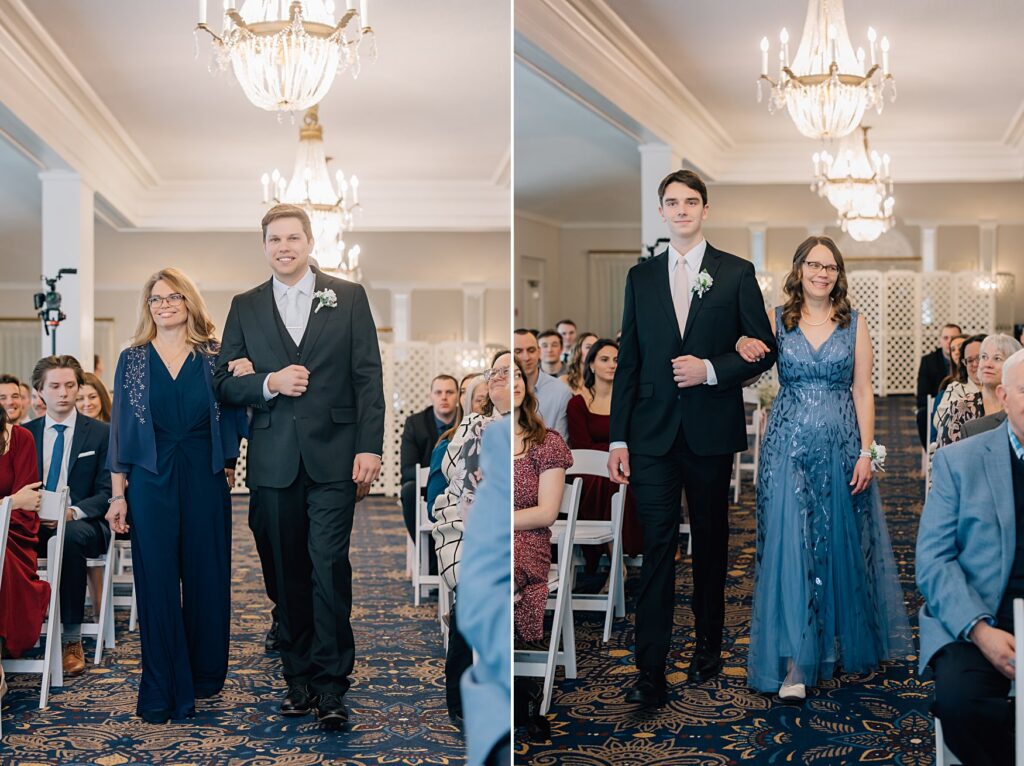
<point>47,306</point>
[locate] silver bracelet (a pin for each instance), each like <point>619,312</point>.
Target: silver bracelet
<point>115,497</point>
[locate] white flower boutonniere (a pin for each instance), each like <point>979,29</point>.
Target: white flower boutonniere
<point>702,284</point>
<point>325,298</point>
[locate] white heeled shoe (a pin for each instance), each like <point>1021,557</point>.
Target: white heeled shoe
<point>792,692</point>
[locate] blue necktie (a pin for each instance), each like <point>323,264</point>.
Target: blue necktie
<point>56,459</point>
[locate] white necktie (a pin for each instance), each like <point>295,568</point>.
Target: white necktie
<point>293,315</point>
<point>681,295</point>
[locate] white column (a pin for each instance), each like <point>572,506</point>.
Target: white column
<point>401,315</point>
<point>656,162</point>
<point>758,245</point>
<point>929,247</point>
<point>987,243</point>
<point>68,216</point>
<point>473,313</point>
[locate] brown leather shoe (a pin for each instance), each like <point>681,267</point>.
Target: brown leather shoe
<point>73,658</point>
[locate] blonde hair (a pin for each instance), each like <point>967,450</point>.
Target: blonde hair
<point>200,330</point>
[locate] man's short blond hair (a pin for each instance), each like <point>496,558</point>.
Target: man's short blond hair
<point>287,211</point>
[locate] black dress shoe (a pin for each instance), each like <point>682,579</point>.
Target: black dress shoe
<point>155,716</point>
<point>298,701</point>
<point>705,665</point>
<point>647,693</point>
<point>331,712</point>
<point>270,643</point>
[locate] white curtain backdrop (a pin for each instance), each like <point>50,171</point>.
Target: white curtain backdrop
<point>21,347</point>
<point>607,270</point>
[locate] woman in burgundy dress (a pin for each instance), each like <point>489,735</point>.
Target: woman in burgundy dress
<point>541,458</point>
<point>589,419</point>
<point>23,596</point>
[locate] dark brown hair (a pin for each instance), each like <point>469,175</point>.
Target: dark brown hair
<point>955,372</point>
<point>528,415</point>
<point>62,362</point>
<point>794,288</point>
<point>287,211</point>
<point>589,378</point>
<point>688,179</point>
<point>88,379</point>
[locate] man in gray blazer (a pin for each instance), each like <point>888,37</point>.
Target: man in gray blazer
<point>981,425</point>
<point>317,432</point>
<point>970,568</point>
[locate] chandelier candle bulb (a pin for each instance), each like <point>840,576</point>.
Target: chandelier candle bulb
<point>363,22</point>
<point>764,56</point>
<point>265,180</point>
<point>355,190</point>
<point>872,37</point>
<point>885,56</point>
<point>202,11</point>
<point>784,39</point>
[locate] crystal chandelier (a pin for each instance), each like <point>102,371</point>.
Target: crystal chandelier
<point>285,56</point>
<point>828,85</point>
<point>865,227</point>
<point>331,206</point>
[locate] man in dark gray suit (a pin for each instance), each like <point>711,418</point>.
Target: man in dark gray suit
<point>981,425</point>
<point>317,432</point>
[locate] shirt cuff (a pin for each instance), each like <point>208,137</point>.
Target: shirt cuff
<point>79,513</point>
<point>712,378</point>
<point>617,445</point>
<point>267,395</point>
<point>966,636</point>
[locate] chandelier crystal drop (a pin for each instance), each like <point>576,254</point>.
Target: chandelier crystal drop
<point>285,55</point>
<point>331,205</point>
<point>828,85</point>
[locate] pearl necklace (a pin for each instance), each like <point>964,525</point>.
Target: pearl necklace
<point>818,324</point>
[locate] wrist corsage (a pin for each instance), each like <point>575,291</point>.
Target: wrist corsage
<point>877,453</point>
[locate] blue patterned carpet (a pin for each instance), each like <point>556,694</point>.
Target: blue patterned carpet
<point>396,703</point>
<point>877,718</point>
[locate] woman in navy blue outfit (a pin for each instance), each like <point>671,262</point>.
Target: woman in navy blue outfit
<point>169,442</point>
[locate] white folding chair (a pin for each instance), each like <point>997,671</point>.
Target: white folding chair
<point>684,526</point>
<point>5,525</point>
<point>445,602</point>
<point>927,440</point>
<point>750,396</point>
<point>50,667</point>
<point>102,627</point>
<point>123,576</point>
<point>599,532</point>
<point>562,647</point>
<point>421,577</point>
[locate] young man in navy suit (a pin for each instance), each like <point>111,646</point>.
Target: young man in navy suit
<point>71,451</point>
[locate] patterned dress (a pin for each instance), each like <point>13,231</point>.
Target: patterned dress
<point>532,547</point>
<point>826,591</point>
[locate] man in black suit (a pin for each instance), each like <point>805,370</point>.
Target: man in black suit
<point>934,367</point>
<point>419,437</point>
<point>71,451</point>
<point>677,418</point>
<point>317,432</point>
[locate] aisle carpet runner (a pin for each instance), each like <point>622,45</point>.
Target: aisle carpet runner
<point>396,704</point>
<point>877,718</point>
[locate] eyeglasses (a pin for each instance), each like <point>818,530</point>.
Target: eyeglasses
<point>971,361</point>
<point>174,299</point>
<point>814,267</point>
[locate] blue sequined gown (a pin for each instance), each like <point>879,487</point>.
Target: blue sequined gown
<point>826,591</point>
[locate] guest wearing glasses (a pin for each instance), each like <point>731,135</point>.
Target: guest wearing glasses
<point>971,356</point>
<point>995,350</point>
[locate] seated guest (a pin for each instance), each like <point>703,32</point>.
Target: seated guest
<point>550,343</point>
<point>589,416</point>
<point>419,436</point>
<point>970,568</point>
<point>573,376</point>
<point>956,390</point>
<point>10,399</point>
<point>958,372</point>
<point>475,398</point>
<point>934,367</point>
<point>995,349</point>
<point>37,405</point>
<point>71,451</point>
<point>460,465</point>
<point>551,394</point>
<point>567,329</point>
<point>24,598</point>
<point>27,413</point>
<point>93,398</point>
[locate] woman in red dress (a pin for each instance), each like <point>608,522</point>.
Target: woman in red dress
<point>589,416</point>
<point>23,596</point>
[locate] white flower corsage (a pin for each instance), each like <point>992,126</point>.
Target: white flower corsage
<point>877,453</point>
<point>326,298</point>
<point>702,284</point>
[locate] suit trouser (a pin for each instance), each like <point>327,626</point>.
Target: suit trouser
<point>83,539</point>
<point>457,661</point>
<point>972,703</point>
<point>658,482</point>
<point>306,529</point>
<point>263,549</point>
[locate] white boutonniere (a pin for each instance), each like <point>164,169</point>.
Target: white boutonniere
<point>325,298</point>
<point>702,284</point>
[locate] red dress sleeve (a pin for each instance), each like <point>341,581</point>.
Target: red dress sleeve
<point>579,432</point>
<point>553,453</point>
<point>23,458</point>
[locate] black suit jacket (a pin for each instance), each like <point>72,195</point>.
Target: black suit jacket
<point>648,408</point>
<point>340,414</point>
<point>88,477</point>
<point>981,425</point>
<point>419,436</point>
<point>934,367</point>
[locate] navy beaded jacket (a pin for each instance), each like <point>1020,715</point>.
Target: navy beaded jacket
<point>132,439</point>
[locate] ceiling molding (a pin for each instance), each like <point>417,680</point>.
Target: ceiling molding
<point>502,175</point>
<point>536,218</point>
<point>1014,136</point>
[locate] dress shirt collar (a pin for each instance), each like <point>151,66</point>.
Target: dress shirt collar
<point>693,256</point>
<point>69,421</point>
<point>305,284</point>
<point>1015,442</point>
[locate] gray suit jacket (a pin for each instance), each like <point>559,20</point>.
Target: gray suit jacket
<point>966,539</point>
<point>981,425</point>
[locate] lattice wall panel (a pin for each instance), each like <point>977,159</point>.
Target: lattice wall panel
<point>902,337</point>
<point>975,305</point>
<point>938,304</point>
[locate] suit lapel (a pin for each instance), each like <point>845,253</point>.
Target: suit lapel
<point>1000,482</point>
<point>663,291</point>
<point>265,311</point>
<point>39,440</point>
<point>317,319</point>
<point>81,428</point>
<point>710,264</point>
